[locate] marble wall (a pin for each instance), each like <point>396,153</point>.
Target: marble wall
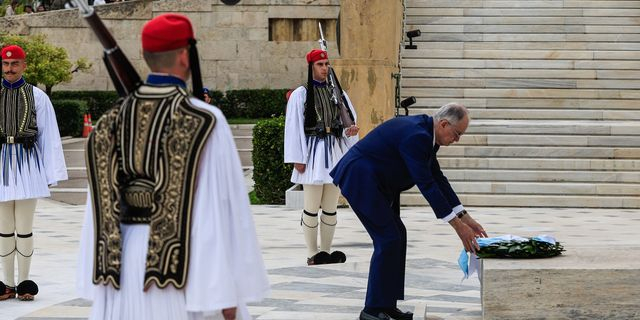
<point>233,41</point>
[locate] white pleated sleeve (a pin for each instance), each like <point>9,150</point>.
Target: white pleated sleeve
<point>49,139</point>
<point>295,144</point>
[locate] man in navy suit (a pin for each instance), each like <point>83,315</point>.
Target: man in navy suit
<point>392,158</point>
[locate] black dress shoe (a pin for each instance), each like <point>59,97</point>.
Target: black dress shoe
<point>367,316</point>
<point>397,314</point>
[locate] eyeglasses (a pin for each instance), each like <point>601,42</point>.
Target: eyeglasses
<point>455,131</point>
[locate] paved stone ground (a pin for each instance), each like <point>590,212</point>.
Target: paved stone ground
<point>299,292</point>
<point>332,291</point>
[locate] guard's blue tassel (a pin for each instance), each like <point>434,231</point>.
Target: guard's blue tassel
<point>19,156</point>
<point>326,152</point>
<point>5,165</point>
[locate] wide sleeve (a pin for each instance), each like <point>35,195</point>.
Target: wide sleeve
<point>353,139</point>
<point>226,267</point>
<point>417,153</point>
<point>295,143</point>
<point>49,143</point>
<point>84,274</point>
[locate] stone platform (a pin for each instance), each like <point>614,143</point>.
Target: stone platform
<point>582,283</point>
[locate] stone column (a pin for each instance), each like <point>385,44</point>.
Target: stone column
<point>370,35</point>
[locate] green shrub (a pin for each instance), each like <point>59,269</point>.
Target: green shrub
<point>250,103</point>
<point>70,116</point>
<point>98,102</point>
<point>216,97</point>
<point>270,174</point>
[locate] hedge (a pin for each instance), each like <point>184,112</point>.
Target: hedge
<point>249,103</point>
<point>254,104</point>
<point>70,116</point>
<point>270,174</point>
<point>98,102</point>
<point>258,103</point>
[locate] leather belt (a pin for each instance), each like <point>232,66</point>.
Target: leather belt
<point>13,139</point>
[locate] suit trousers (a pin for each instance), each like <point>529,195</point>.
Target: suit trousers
<point>381,219</point>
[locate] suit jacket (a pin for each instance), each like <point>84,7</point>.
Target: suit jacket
<point>395,156</point>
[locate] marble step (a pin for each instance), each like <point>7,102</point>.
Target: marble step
<point>565,114</point>
<point>243,142</point>
<point>448,8</point>
<point>541,188</point>
<point>544,140</point>
<point>529,103</point>
<point>241,129</point>
<point>539,45</point>
<point>72,183</point>
<point>526,37</point>
<point>416,20</point>
<point>76,172</point>
<point>489,74</point>
<point>526,93</point>
<point>581,64</point>
<point>533,28</point>
<point>243,137</point>
<point>521,82</point>
<point>535,152</point>
<point>524,45</point>
<point>520,4</point>
<point>540,164</point>
<point>504,200</point>
<point>564,127</point>
<point>542,176</point>
<point>245,157</point>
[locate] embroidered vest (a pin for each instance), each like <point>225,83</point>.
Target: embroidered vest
<point>17,113</point>
<point>142,160</point>
<point>327,114</point>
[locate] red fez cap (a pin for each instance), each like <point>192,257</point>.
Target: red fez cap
<point>13,52</point>
<point>316,54</point>
<point>166,32</point>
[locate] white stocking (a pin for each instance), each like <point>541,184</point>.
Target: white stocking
<point>24,236</point>
<point>309,221</point>
<point>329,218</point>
<point>7,243</point>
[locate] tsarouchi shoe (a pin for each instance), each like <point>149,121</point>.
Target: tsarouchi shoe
<point>6,292</point>
<point>338,257</point>
<point>27,290</point>
<point>321,257</point>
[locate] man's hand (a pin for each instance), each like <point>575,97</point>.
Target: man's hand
<point>352,131</point>
<point>466,235</point>
<point>300,167</point>
<point>229,314</point>
<point>476,227</point>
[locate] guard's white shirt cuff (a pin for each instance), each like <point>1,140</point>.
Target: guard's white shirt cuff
<point>457,209</point>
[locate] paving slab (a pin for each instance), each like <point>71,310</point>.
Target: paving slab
<point>433,281</point>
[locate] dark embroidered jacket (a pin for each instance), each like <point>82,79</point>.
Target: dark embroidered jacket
<point>142,160</point>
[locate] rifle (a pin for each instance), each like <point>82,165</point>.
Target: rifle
<point>122,73</point>
<point>336,91</point>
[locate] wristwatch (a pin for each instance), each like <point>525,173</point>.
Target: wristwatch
<point>461,213</point>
